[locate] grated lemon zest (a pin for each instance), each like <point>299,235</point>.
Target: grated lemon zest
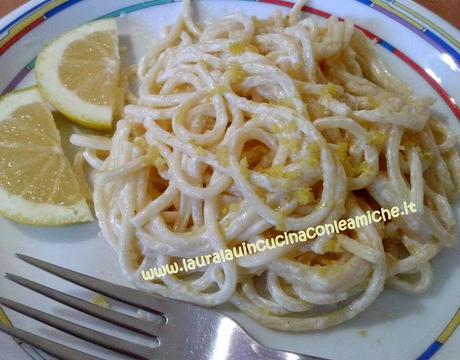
<point>199,150</point>
<point>331,89</point>
<point>362,168</point>
<point>372,102</point>
<point>289,127</point>
<point>305,196</point>
<point>290,144</point>
<point>237,48</point>
<point>341,152</point>
<point>98,299</point>
<point>427,156</point>
<point>159,163</point>
<point>222,155</point>
<point>244,165</point>
<point>292,175</point>
<point>286,102</point>
<point>219,90</point>
<point>181,115</point>
<point>328,92</point>
<point>237,74</point>
<point>333,246</point>
<point>139,142</point>
<point>152,152</point>
<point>155,157</point>
<point>378,139</point>
<point>328,268</point>
<point>280,224</point>
<point>314,153</point>
<point>276,171</point>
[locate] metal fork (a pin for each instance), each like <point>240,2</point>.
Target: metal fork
<point>186,331</point>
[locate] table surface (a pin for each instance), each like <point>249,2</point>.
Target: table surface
<point>447,9</point>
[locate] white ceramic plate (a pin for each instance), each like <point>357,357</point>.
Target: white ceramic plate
<point>419,47</point>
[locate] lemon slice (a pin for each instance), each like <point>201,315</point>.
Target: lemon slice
<point>79,72</point>
<point>37,183</point>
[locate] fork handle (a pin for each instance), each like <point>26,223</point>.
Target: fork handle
<point>263,352</point>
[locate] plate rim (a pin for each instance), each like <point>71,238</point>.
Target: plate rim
<point>34,6</point>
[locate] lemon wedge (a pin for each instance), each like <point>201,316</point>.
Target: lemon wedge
<point>79,73</point>
<point>37,182</point>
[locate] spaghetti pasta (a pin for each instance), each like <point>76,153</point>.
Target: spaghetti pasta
<point>241,129</point>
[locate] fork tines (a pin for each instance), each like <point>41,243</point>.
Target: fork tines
<point>121,293</point>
